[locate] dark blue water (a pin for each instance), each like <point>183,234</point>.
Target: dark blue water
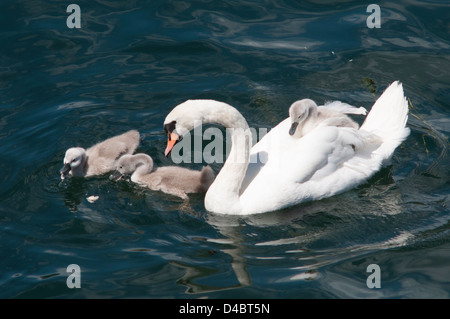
<point>131,62</point>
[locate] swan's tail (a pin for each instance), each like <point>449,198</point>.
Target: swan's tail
<point>387,119</point>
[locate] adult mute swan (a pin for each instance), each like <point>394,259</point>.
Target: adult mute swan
<point>101,157</point>
<point>174,180</point>
<point>280,170</point>
<point>305,116</point>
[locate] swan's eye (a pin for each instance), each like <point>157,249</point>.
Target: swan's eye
<point>170,127</point>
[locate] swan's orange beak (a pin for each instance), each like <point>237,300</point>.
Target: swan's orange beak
<point>171,140</point>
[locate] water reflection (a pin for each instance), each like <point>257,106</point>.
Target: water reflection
<point>347,224</point>
<point>193,274</point>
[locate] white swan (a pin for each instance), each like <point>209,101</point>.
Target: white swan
<point>172,180</point>
<point>305,115</point>
<point>280,170</point>
<point>100,158</point>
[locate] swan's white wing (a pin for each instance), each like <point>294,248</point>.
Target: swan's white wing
<point>298,159</point>
<point>345,108</point>
<point>326,161</point>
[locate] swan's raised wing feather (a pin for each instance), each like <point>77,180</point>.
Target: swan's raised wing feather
<point>345,108</point>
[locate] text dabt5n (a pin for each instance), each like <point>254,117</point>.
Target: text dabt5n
<point>255,308</point>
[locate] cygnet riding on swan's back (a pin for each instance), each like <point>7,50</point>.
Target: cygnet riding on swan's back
<point>100,158</point>
<point>305,116</point>
<point>172,180</point>
<point>280,170</point>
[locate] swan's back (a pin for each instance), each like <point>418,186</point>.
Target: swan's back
<point>383,130</point>
<point>327,161</point>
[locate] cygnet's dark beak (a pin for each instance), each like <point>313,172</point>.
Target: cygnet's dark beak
<point>116,176</point>
<point>293,128</point>
<point>65,169</point>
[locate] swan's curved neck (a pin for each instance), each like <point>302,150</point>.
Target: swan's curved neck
<point>223,194</point>
<point>143,165</point>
